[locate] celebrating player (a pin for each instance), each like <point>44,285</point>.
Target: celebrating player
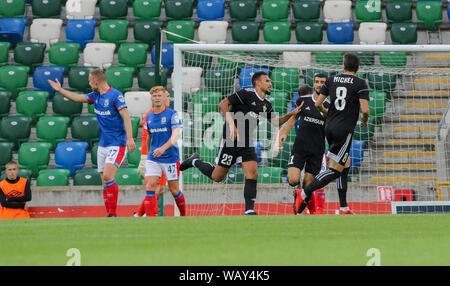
<point>236,144</point>
<point>164,129</point>
<point>309,147</point>
<point>141,168</point>
<point>116,137</point>
<point>348,94</point>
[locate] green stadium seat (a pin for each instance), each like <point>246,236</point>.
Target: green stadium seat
<point>404,33</point>
<point>220,80</point>
<point>133,54</point>
<point>146,31</point>
<point>52,129</point>
<point>65,107</point>
<point>85,128</point>
<point>209,101</point>
<point>306,10</point>
<point>179,9</point>
<point>53,177</point>
<point>120,78</point>
<point>5,103</point>
<point>277,32</point>
<point>365,133</point>
<point>245,32</point>
<point>5,153</point>
<point>368,11</point>
<point>235,176</point>
<point>15,129</point>
<point>12,8</point>
<point>309,33</point>
<point>399,11</point>
<point>275,10</point>
<point>377,103</point>
<point>279,100</point>
<point>146,78</point>
<point>285,79</point>
<point>147,9</point>
<point>94,152</point>
<point>135,122</point>
<point>113,9</point>
<point>128,176</point>
<point>87,177</point>
<point>4,53</point>
<point>64,54</point>
<point>134,157</point>
<point>243,10</point>
<point>429,13</point>
<point>193,176</point>
<point>183,28</point>
<point>393,59</point>
<point>379,81</point>
<point>366,58</point>
<point>270,175</point>
<point>329,58</point>
<point>113,31</point>
<point>14,79</point>
<point>281,158</point>
<point>29,54</point>
<point>34,156</point>
<point>78,79</point>
<point>208,153</point>
<point>32,103</point>
<point>196,60</point>
<point>46,8</point>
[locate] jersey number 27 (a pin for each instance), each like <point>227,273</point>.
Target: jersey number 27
<point>341,94</point>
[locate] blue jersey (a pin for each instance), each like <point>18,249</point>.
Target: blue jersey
<point>160,126</point>
<point>106,108</point>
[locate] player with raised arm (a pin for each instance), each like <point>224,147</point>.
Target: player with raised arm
<point>237,143</point>
<point>307,154</point>
<point>164,129</point>
<point>348,94</point>
<point>116,137</point>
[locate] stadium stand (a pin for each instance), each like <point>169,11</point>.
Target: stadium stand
<point>71,156</point>
<point>53,177</point>
<point>80,31</point>
<point>12,30</point>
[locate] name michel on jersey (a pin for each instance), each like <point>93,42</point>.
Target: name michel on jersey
<point>343,79</point>
<point>313,120</point>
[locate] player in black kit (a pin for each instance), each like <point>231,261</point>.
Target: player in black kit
<point>348,94</point>
<point>236,145</point>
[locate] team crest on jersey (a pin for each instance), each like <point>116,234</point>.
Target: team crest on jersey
<point>163,120</point>
<point>264,108</point>
<point>106,103</point>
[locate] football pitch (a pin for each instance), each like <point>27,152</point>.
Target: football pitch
<point>229,240</point>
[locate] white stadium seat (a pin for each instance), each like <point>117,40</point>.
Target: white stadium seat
<point>138,102</point>
<point>372,33</point>
<point>99,55</point>
<point>337,11</point>
<point>80,9</point>
<point>45,31</point>
<point>191,79</point>
<point>213,32</point>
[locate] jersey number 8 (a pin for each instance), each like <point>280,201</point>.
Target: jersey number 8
<point>341,94</point>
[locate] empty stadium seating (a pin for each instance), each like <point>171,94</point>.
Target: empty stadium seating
<point>53,177</point>
<point>134,157</point>
<point>87,177</point>
<point>337,11</point>
<point>275,10</point>
<point>15,129</point>
<point>64,54</point>
<point>306,10</point>
<point>340,33</point>
<point>133,54</point>
<point>113,31</point>
<point>71,156</point>
<point>32,103</point>
<point>147,78</point>
<point>138,102</point>
<point>46,8</point>
<point>113,9</point>
<point>99,55</point>
<point>147,9</point>
<point>277,32</point>
<point>85,128</point>
<point>34,156</point>
<point>12,8</point>
<point>213,32</point>
<point>45,31</point>
<point>52,129</point>
<point>4,53</point>
<point>29,54</point>
<point>78,79</point>
<point>166,55</point>
<point>42,74</point>
<point>245,32</point>
<point>128,176</point>
<point>309,32</point>
<point>80,9</point>
<point>12,30</point>
<point>120,78</point>
<point>5,103</point>
<point>242,10</point>
<point>5,153</point>
<point>210,10</point>
<point>80,31</point>
<point>372,33</point>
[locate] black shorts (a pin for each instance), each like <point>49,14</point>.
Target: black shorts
<point>311,163</point>
<point>339,143</point>
<point>228,156</point>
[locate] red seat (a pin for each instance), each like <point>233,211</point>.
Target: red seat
<point>403,195</point>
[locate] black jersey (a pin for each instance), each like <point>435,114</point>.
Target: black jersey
<point>344,91</point>
<point>247,107</point>
<point>311,131</point>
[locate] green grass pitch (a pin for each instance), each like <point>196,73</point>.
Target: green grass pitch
<point>229,241</point>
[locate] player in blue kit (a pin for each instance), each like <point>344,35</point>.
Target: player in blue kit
<point>164,129</point>
<point>116,137</point>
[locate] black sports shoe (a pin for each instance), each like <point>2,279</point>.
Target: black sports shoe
<point>186,164</point>
<point>299,204</point>
<point>252,212</point>
<point>111,215</point>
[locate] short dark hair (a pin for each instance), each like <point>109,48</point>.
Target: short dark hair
<point>257,75</point>
<point>321,75</point>
<point>351,62</point>
<point>304,90</point>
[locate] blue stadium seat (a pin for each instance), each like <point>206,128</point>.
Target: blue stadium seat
<point>448,11</point>
<point>42,74</point>
<point>166,55</point>
<point>210,10</point>
<point>294,99</point>
<point>12,29</point>
<point>71,156</point>
<point>80,31</point>
<point>357,153</point>
<point>340,33</point>
<point>245,77</point>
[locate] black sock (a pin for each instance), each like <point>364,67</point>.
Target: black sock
<point>321,181</point>
<point>250,194</point>
<point>342,188</point>
<point>205,167</point>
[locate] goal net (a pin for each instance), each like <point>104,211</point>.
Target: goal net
<point>401,157</point>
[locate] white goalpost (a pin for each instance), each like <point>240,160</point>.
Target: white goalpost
<point>400,162</point>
